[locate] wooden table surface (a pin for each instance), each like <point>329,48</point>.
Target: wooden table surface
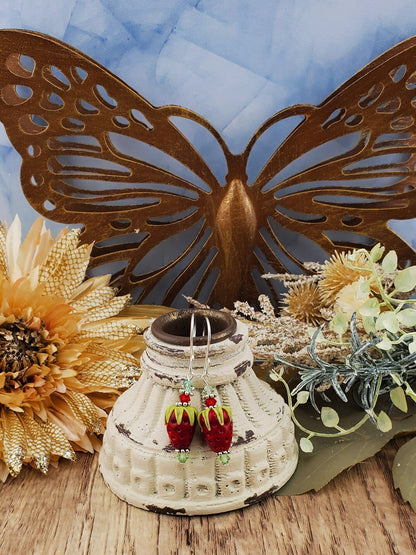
<point>71,511</point>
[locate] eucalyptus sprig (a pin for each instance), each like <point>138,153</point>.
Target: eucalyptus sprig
<point>371,376</point>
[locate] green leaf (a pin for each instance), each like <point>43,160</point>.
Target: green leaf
<point>376,252</point>
<point>396,378</point>
<point>371,307</point>
<point>302,397</point>
<point>404,471</point>
<point>329,417</point>
<point>412,346</point>
<point>369,324</point>
<point>333,455</point>
<point>398,398</point>
<point>385,344</point>
<point>339,323</point>
<point>320,337</point>
<point>273,375</point>
<point>363,289</point>
<point>384,423</point>
<point>410,392</point>
<point>388,321</point>
<point>405,280</point>
<point>407,317</point>
<point>306,445</point>
<point>389,263</point>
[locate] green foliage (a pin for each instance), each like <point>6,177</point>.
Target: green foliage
<point>384,423</point>
<point>329,417</point>
<point>306,445</point>
<point>302,397</point>
<point>382,362</point>
<point>333,455</point>
<point>405,280</point>
<point>376,253</point>
<point>398,398</point>
<point>389,263</point>
<point>339,324</point>
<point>372,384</point>
<point>404,471</point>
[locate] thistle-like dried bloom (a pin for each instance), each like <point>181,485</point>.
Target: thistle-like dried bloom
<point>64,355</point>
<point>339,271</point>
<point>304,302</point>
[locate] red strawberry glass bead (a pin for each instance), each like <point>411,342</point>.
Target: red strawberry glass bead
<point>180,424</point>
<point>217,426</point>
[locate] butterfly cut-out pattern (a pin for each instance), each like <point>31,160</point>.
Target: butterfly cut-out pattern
<point>97,153</point>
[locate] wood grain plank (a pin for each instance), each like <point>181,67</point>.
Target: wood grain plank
<point>71,511</point>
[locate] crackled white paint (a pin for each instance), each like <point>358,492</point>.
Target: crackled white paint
<point>137,461</point>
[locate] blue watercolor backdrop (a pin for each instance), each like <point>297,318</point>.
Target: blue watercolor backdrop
<point>236,62</point>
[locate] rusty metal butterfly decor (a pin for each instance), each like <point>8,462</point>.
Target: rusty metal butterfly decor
<point>95,152</point>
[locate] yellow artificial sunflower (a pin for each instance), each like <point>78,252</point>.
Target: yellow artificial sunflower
<point>303,302</point>
<point>341,270</point>
<point>64,353</point>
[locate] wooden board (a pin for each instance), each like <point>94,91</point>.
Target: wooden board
<point>71,511</point>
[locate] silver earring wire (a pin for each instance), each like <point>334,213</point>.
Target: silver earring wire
<point>204,374</point>
<point>192,334</point>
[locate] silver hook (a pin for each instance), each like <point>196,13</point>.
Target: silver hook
<point>204,374</point>
<point>192,334</point>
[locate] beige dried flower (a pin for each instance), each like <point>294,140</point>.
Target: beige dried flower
<point>283,335</point>
<point>304,302</point>
<point>349,301</point>
<point>339,271</point>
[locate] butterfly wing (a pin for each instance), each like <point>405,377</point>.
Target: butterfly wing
<point>345,170</point>
<point>91,151</point>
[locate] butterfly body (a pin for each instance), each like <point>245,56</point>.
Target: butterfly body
<point>95,152</point>
<point>236,230</point>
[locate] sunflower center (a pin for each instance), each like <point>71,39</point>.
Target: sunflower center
<point>23,345</point>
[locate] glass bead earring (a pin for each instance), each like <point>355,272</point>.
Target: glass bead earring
<point>215,421</point>
<point>180,419</point>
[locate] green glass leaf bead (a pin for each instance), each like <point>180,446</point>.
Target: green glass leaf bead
<point>224,458</point>
<point>208,391</point>
<point>188,387</point>
<point>183,456</point>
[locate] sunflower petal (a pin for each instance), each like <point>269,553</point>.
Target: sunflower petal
<point>3,252</point>
<point>12,248</point>
<point>37,441</point>
<point>108,310</point>
<point>116,328</point>
<point>59,445</point>
<point>28,249</point>
<point>14,443</point>
<point>64,268</point>
<point>84,410</point>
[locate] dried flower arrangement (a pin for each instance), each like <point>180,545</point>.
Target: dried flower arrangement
<point>348,327</point>
<point>65,354</point>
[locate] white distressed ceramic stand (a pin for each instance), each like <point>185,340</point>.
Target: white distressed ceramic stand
<point>139,464</point>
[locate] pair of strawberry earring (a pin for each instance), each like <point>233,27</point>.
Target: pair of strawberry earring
<point>215,421</point>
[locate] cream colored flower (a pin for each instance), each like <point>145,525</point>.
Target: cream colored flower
<point>350,299</point>
<point>64,353</point>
